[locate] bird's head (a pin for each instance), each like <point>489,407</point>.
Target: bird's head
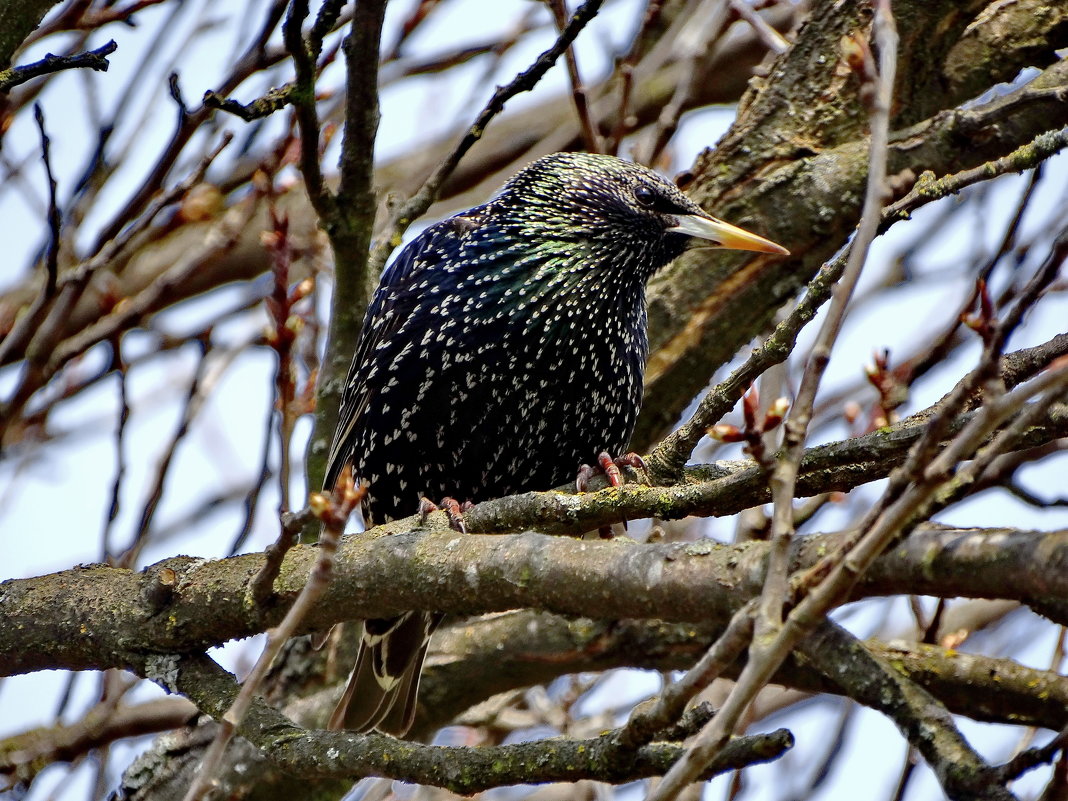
<point>614,211</point>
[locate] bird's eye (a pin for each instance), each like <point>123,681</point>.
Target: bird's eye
<point>645,196</point>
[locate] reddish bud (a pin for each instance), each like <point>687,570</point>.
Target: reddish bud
<point>776,413</point>
<point>319,503</point>
<point>725,432</point>
<point>302,290</point>
<point>851,411</point>
<point>202,202</point>
<point>750,406</point>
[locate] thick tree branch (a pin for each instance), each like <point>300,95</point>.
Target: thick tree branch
<point>17,21</point>
<point>481,657</point>
<point>184,604</point>
<point>478,658</point>
<point>923,720</point>
<point>702,307</point>
<point>325,754</point>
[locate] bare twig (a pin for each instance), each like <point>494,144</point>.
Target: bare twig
<point>194,400</point>
<point>775,41</point>
<point>769,647</point>
<point>624,124</point>
<point>93,59</point>
<point>120,447</point>
<point>42,336</point>
<point>52,255</point>
<point>334,510</point>
<point>578,90</point>
<point>644,723</point>
<point>254,58</point>
<point>1033,757</point>
<point>524,82</point>
<point>669,457</point>
<point>711,20</point>
<point>253,495</point>
<point>784,477</point>
<point>25,753</point>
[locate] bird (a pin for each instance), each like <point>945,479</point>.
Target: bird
<point>504,348</point>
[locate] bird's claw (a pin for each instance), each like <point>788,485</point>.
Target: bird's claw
<point>610,467</point>
<point>452,509</point>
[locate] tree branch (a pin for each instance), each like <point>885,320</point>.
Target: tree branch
<point>923,720</point>
<point>462,770</point>
<point>184,604</point>
<point>93,59</point>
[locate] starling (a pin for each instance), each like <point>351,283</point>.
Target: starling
<point>504,348</point>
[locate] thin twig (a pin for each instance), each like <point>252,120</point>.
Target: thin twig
<point>115,504</point>
<point>784,478</point>
<point>624,124</point>
<point>769,646</point>
<point>772,39</point>
<point>590,137</point>
<point>523,82</point>
<point>306,55</point>
<point>52,255</point>
<point>667,460</point>
<point>711,20</point>
<point>253,495</point>
<point>1033,757</point>
<point>194,400</point>
<point>93,59</point>
<point>254,58</point>
<point>644,723</point>
<point>303,100</point>
<point>42,336</point>
<point>26,753</point>
<point>334,511</point>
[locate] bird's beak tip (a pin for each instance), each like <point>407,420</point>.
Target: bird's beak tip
<point>725,235</point>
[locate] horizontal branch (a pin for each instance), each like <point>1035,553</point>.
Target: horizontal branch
<point>271,101</point>
<point>726,488</point>
<point>481,657</point>
<point>185,604</point>
<point>24,755</point>
<point>475,659</point>
<point>325,754</point>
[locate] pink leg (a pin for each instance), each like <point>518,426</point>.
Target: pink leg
<point>610,467</point>
<point>452,509</point>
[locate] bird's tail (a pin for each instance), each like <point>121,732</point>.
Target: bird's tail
<point>384,685</point>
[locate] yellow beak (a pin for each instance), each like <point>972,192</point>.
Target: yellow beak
<point>724,235</point>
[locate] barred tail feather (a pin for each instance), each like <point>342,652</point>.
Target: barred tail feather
<point>384,685</point>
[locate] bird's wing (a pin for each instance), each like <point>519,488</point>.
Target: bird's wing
<point>390,307</point>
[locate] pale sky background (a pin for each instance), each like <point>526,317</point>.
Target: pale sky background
<point>53,499</point>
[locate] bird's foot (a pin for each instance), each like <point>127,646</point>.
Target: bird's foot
<point>609,467</point>
<point>452,509</point>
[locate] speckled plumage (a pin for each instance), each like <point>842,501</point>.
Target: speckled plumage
<point>504,348</point>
